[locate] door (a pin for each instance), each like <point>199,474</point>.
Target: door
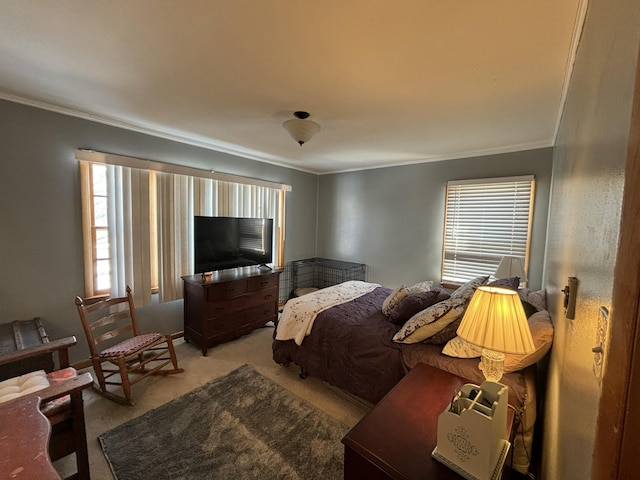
<point>618,429</point>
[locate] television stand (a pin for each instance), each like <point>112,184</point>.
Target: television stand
<point>263,266</point>
<point>228,304</point>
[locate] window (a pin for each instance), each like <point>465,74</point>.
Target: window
<point>138,221</point>
<point>485,220</point>
<point>99,229</point>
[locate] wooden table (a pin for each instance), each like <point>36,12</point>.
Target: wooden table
<point>396,438</point>
<point>24,437</point>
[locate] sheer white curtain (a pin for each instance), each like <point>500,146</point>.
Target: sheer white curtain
<point>241,200</point>
<point>150,225</point>
<point>129,227</point>
<point>175,211</point>
<point>179,198</point>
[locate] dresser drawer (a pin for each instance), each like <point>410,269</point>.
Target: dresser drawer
<point>262,282</point>
<point>226,291</point>
<point>225,323</point>
<point>242,302</point>
<point>224,307</point>
<point>263,296</point>
<point>266,310</point>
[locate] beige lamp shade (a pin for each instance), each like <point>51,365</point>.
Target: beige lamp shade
<point>495,320</point>
<point>511,267</point>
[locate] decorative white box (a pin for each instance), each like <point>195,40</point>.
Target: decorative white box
<point>472,432</point>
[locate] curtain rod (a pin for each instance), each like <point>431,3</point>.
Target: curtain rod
<point>132,162</point>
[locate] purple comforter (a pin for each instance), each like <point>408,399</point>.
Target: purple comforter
<point>350,347</point>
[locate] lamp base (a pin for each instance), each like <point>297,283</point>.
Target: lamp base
<point>492,364</point>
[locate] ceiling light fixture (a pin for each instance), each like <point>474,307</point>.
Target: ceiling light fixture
<point>301,129</point>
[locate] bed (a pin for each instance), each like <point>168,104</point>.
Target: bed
<point>363,342</point>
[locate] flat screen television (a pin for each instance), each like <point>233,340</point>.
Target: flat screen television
<point>230,242</point>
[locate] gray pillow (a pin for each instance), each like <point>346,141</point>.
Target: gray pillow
<point>415,303</point>
<point>511,283</point>
<point>466,291</point>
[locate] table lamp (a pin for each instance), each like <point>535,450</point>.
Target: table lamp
<point>511,267</point>
<point>496,322</point>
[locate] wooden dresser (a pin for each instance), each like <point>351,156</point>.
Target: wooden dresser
<point>228,304</point>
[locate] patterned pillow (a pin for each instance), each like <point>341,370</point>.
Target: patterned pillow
<point>446,334</point>
<point>428,322</point>
<point>394,299</point>
<point>466,291</point>
<point>511,283</point>
<point>420,287</point>
<point>413,304</point>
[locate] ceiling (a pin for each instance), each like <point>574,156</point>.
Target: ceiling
<point>390,82</point>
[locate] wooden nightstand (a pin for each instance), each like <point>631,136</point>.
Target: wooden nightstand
<point>396,438</point>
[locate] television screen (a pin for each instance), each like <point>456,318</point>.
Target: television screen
<point>229,242</point>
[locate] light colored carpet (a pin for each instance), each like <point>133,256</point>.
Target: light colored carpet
<point>253,349</point>
<point>241,426</point>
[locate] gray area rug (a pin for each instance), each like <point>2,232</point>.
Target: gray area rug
<point>242,426</point>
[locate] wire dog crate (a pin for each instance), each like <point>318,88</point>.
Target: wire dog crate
<point>323,272</point>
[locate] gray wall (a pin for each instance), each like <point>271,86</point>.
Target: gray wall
<point>40,222</point>
<point>392,219</point>
<point>584,225</point>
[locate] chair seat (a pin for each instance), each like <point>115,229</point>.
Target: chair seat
<point>130,345</point>
<point>23,385</point>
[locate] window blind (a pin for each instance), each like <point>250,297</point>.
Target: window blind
<point>485,220</point>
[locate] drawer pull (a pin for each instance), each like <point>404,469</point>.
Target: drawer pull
<point>268,296</point>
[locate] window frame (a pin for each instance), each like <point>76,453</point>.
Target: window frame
<point>94,233</point>
<point>463,201</point>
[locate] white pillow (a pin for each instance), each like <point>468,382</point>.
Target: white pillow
<point>460,348</point>
<point>23,385</point>
<point>541,332</point>
<point>394,299</point>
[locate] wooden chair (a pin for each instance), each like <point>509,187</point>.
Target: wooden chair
<point>118,349</point>
<point>61,402</point>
